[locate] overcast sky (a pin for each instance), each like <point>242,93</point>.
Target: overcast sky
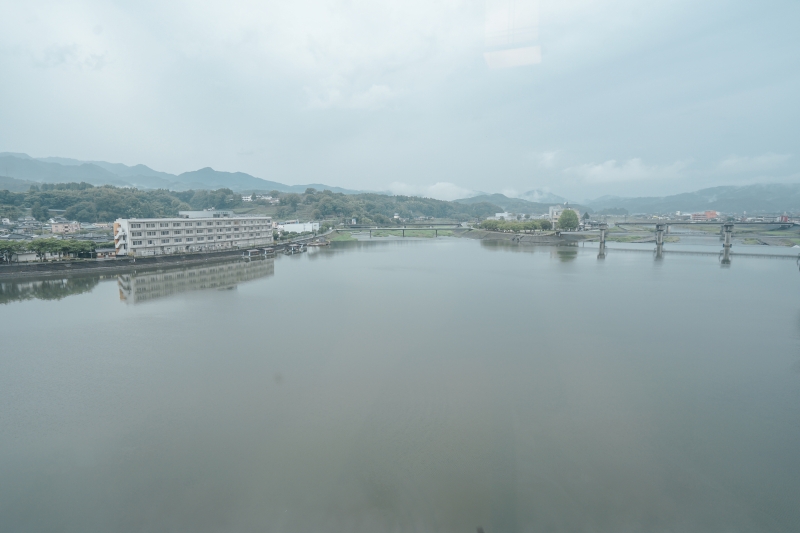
<point>582,98</point>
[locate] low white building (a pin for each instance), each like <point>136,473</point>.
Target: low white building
<point>299,227</point>
<point>191,231</point>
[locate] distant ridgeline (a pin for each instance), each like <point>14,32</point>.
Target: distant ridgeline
<point>761,198</point>
<point>19,171</point>
<point>88,203</point>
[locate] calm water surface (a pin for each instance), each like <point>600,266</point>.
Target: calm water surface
<point>406,386</point>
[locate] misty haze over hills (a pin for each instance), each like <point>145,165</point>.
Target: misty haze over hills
<point>19,171</point>
<point>61,170</point>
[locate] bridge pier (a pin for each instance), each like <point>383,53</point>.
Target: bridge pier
<point>659,252</point>
<point>727,231</point>
<point>601,254</point>
<point>660,234</point>
<point>726,257</point>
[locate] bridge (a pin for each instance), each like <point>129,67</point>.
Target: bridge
<point>726,230</point>
<point>402,229</point>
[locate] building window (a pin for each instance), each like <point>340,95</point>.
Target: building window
<point>176,232</point>
<point>150,225</point>
<point>137,243</point>
<point>177,240</point>
<point>149,242</point>
<point>164,241</point>
<point>136,234</point>
<point>151,233</point>
<point>136,225</point>
<point>201,238</point>
<point>189,239</point>
<point>227,236</point>
<point>176,224</point>
<point>188,231</point>
<point>164,225</point>
<point>219,237</point>
<point>188,224</point>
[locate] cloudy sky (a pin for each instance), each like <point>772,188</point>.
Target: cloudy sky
<point>582,98</point>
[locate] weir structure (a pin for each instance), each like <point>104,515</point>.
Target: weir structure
<point>602,253</point>
<point>727,234</point>
<point>661,228</point>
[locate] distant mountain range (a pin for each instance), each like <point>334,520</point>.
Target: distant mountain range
<point>23,168</point>
<point>763,198</point>
<point>19,171</point>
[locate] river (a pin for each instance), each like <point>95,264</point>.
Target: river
<point>407,385</point>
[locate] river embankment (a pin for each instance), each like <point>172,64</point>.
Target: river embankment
<point>106,266</point>
<point>47,269</point>
<point>522,238</point>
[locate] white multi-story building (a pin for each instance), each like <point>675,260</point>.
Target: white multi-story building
<point>191,231</point>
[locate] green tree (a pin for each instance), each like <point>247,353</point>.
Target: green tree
<point>40,247</point>
<point>568,219</point>
<point>293,200</point>
<point>9,248</point>
<point>586,216</point>
<point>39,213</point>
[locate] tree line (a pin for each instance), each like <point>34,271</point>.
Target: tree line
<point>516,227</point>
<point>567,220</point>
<point>87,203</point>
<point>42,247</point>
<point>372,208</point>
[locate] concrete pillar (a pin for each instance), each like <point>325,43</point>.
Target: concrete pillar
<point>404,232</point>
<point>603,229</point>
<point>660,234</point>
<point>726,257</point>
<point>659,252</point>
<point>601,254</point>
<point>727,230</point>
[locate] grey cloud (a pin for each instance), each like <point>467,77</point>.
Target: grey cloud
<point>629,98</point>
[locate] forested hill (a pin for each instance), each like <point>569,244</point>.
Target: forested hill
<point>63,170</point>
<point>517,205</point>
<point>761,198</point>
<point>87,203</point>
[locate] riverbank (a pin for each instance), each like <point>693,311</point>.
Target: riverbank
<point>522,238</point>
<point>52,269</point>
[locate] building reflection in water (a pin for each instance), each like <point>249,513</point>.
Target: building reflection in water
<point>47,289</point>
<point>138,287</point>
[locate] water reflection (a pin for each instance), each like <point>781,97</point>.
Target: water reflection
<point>565,256</point>
<point>49,289</point>
<point>137,287</point>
